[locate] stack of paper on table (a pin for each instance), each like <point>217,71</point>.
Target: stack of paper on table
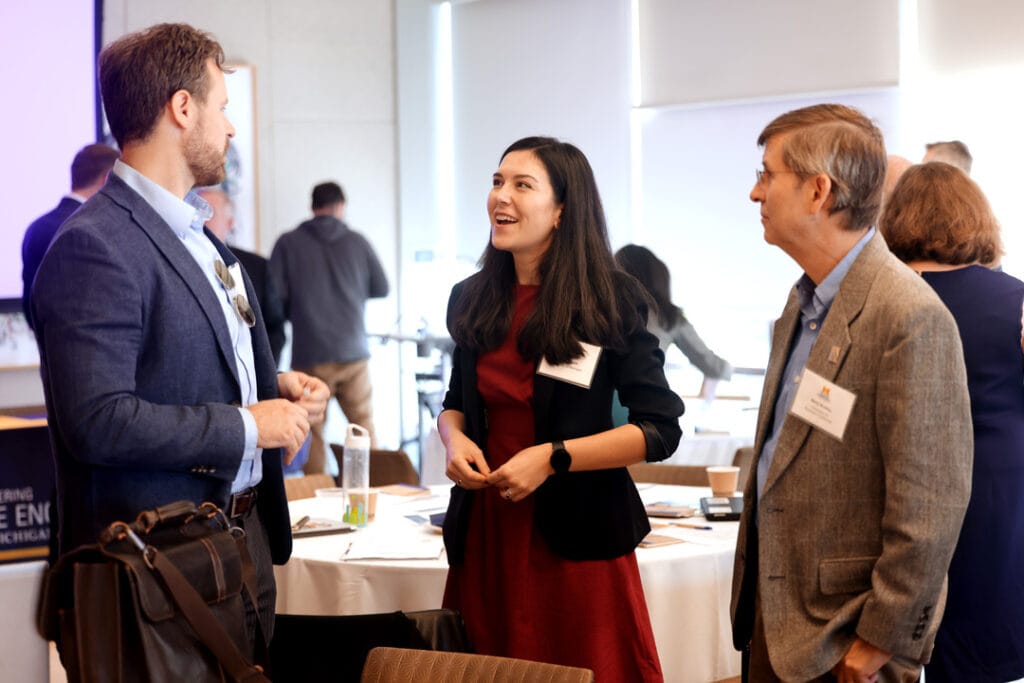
<point>397,547</point>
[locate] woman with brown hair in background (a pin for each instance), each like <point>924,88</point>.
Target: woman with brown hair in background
<point>939,222</point>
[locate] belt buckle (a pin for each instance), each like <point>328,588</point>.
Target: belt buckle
<point>238,500</point>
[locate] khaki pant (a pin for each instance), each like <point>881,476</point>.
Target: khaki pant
<point>350,385</point>
<point>896,670</point>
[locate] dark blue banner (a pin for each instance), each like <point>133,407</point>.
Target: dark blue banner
<point>26,485</point>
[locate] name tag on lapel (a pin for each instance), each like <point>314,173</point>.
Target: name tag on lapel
<point>823,404</point>
<point>579,371</point>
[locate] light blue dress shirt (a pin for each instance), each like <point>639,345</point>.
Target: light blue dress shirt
<point>186,218</point>
<point>815,303</point>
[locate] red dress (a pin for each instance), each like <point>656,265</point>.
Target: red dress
<point>519,599</point>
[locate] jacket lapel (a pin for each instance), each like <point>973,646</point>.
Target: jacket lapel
<point>828,353</point>
<point>163,237</point>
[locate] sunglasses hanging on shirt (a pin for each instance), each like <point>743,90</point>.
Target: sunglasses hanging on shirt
<point>228,279</point>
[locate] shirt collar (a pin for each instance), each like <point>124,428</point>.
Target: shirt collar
<point>204,211</point>
<point>181,215</point>
<point>815,301</point>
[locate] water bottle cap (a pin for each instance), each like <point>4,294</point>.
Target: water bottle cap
<point>357,437</point>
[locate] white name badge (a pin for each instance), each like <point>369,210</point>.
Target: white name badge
<point>579,371</point>
<point>823,404</point>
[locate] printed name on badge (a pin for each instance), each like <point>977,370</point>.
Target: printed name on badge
<point>579,371</point>
<point>823,404</point>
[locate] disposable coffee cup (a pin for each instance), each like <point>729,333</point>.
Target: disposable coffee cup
<point>331,502</point>
<point>723,479</point>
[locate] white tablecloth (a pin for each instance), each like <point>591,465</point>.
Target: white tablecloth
<point>24,655</point>
<point>687,585</point>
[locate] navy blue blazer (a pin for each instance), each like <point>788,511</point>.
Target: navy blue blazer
<point>33,247</point>
<point>139,375</point>
<point>581,515</point>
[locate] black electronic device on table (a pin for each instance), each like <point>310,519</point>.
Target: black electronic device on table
<point>721,508</point>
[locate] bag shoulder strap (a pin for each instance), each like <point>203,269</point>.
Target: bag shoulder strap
<point>202,620</point>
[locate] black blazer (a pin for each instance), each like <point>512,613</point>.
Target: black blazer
<point>582,515</point>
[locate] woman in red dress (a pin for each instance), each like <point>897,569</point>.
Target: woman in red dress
<point>544,517</point>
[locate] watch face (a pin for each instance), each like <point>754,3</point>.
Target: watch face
<point>560,460</point>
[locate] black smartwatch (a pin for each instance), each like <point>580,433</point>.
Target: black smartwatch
<point>560,458</point>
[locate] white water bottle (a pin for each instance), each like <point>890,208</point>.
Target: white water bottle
<point>355,475</point>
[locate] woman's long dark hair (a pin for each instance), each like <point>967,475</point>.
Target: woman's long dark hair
<point>641,263</point>
<point>580,297</point>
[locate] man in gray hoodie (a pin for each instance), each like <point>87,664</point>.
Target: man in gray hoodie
<point>325,272</point>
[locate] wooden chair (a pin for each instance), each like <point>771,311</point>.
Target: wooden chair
<point>680,475</point>
<point>743,459</point>
<point>335,647</point>
<point>397,665</point>
<point>306,486</point>
<point>386,467</point>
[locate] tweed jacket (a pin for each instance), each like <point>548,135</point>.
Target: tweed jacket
<point>853,537</point>
<point>139,374</point>
<point>582,515</point>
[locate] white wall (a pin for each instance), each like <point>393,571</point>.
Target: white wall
<point>714,50</point>
<point>964,83</point>
<point>697,172</point>
<point>325,103</point>
<point>325,99</point>
<point>535,67</point>
<point>345,91</point>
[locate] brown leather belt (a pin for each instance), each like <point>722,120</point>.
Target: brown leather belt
<point>241,502</point>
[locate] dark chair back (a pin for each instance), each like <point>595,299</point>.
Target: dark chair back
<point>334,648</point>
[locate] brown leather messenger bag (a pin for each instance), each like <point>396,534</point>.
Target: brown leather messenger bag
<point>159,599</point>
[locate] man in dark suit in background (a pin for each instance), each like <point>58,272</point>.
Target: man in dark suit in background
<point>222,224</point>
<point>156,366</point>
<point>89,171</point>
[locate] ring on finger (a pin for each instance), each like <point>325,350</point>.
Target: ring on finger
<point>508,494</point>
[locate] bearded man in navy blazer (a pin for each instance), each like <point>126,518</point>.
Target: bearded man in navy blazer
<point>158,375</point>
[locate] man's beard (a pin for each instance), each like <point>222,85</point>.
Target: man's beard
<point>205,162</point>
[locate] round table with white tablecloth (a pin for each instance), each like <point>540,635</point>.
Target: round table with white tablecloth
<point>687,585</point>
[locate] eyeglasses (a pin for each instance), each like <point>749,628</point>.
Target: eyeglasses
<point>764,174</point>
<point>242,307</point>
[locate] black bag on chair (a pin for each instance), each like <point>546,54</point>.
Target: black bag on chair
<point>159,599</point>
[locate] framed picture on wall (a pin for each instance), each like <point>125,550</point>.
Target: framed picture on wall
<point>242,180</point>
